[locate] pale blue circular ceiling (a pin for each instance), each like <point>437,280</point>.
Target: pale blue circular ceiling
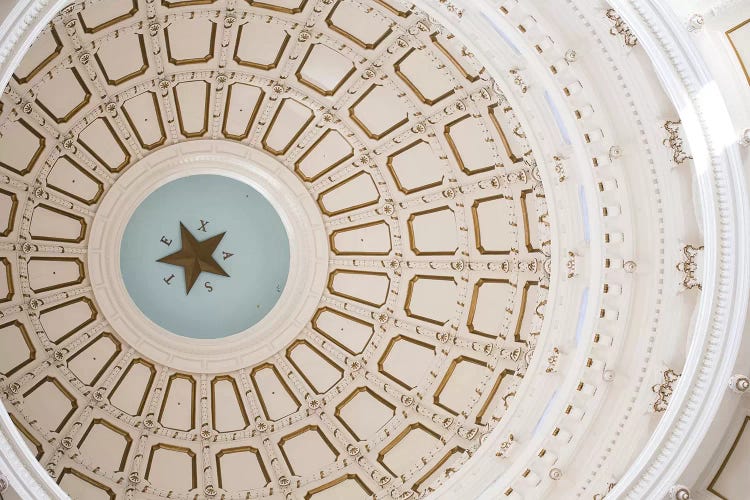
<point>218,237</point>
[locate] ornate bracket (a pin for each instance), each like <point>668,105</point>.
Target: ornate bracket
<point>690,267</point>
<point>674,141</point>
<point>664,390</point>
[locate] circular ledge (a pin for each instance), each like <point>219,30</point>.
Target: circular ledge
<point>308,256</point>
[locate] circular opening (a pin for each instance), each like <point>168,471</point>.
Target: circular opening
<point>205,256</point>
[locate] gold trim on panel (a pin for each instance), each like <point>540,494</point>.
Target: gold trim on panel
<point>457,154</point>
<point>29,436</point>
<point>39,67</point>
<point>117,139</point>
<point>83,477</point>
<point>728,457</point>
<point>414,88</point>
<point>286,10</point>
<point>37,153</point>
<point>336,272</point>
<point>185,3</point>
<point>394,10</point>
<point>522,309</point>
<point>206,108</point>
<point>446,379</point>
<point>193,60</point>
<point>734,47</point>
<point>159,119</point>
<point>314,323</point>
<point>164,400</point>
<point>367,131</point>
<point>294,138</point>
<point>491,395</point>
<point>241,449</point>
<point>387,352</point>
<point>473,306</point>
<point>64,391</point>
<point>410,228</point>
<point>350,398</point>
<point>321,202</point>
<point>332,238</point>
<point>76,109</point>
<point>111,22</point>
<point>503,136</point>
<point>233,382</point>
<point>392,170</point>
<point>290,393</point>
<point>457,450</point>
<point>410,292</point>
<point>13,209</point>
<point>152,369</point>
<point>251,64</point>
<point>177,449</point>
<point>317,89</point>
<point>478,227</point>
<point>299,432</point>
<point>81,236</point>
<point>253,115</point>
<point>78,281</point>
<point>116,430</point>
<point>336,482</point>
<point>324,358</point>
<point>312,147</point>
<point>452,59</point>
<point>526,227</point>
<point>333,27</point>
<point>398,439</point>
<point>9,280</point>
<point>129,76</point>
<point>27,340</point>
<point>92,318</point>
<point>99,192</point>
<point>103,369</point>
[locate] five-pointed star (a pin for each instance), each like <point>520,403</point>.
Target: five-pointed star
<point>195,257</point>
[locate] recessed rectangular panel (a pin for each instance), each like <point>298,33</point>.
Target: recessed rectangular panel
<point>178,406</point>
<point>20,147</point>
<point>531,211</point>
<point>513,147</point>
<point>192,100</point>
<point>328,152</point>
<point>190,41</point>
<point>71,179</point>
<point>122,58</point>
<point>408,449</point>
<point>16,348</point>
<point>420,71</point>
<point>317,369</point>
<point>105,445</point>
<point>275,396</point>
<point>101,15</point>
<point>52,273</point>
<point>63,320</point>
<point>355,192</point>
<point>132,390</point>
<point>490,302</point>
<point>324,69</point>
<point>349,333</point>
<point>495,225</point>
<point>52,224</point>
<point>241,469</point>
<point>454,392</point>
<point>416,167</point>
<point>50,404</point>
<point>367,287</point>
<point>43,51</point>
<point>227,410</point>
<point>433,232</point>
<point>260,45</point>
<point>102,142</point>
<point>63,105</point>
<point>365,239</point>
<point>379,111</point>
<point>243,103</point>
<point>290,120</point>
<point>8,211</point>
<point>366,28</point>
<point>432,299</point>
<point>143,115</point>
<point>470,145</point>
<point>91,361</point>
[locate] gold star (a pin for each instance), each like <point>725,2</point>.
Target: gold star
<point>195,257</point>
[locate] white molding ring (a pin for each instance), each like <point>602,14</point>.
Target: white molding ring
<point>307,243</point>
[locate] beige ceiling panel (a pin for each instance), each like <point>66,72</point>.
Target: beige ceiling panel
<point>408,449</point>
<point>33,443</point>
<point>122,58</point>
<point>144,117</point>
<point>63,320</point>
<point>525,309</point>
<point>261,45</point>
<point>457,54</point>
<point>349,333</point>
<point>78,485</point>
<point>396,7</point>
<point>91,361</point>
<point>514,147</point>
<point>132,390</point>
<point>101,141</point>
<point>192,100</point>
<point>8,211</point>
<point>181,3</point>
<point>227,411</point>
<point>71,179</point>
<point>498,398</point>
<point>433,232</point>
<point>324,69</point>
<point>50,404</point>
<point>100,15</point>
<point>63,95</point>
<point>178,406</point>
<point>105,445</point>
<point>368,287</point>
<point>491,303</point>
<point>190,41</point>
<point>422,485</point>
<point>318,370</point>
<point>349,487</point>
<point>51,273</point>
<point>416,167</point>
<point>419,70</point>
<point>290,120</point>
<point>407,361</point>
<point>454,393</point>
<point>241,469</point>
<point>531,209</point>
<point>20,147</point>
<point>275,396</point>
<point>172,468</point>
<point>495,225</point>
<point>470,144</point>
<point>52,224</point>
<point>6,281</point>
<point>373,238</point>
<point>306,449</point>
<point>16,348</point>
<point>43,51</point>
<point>432,299</point>
<point>241,109</point>
<point>366,28</point>
<point>327,153</point>
<point>364,413</point>
<point>286,6</point>
<point>355,192</point>
<point>378,112</point>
